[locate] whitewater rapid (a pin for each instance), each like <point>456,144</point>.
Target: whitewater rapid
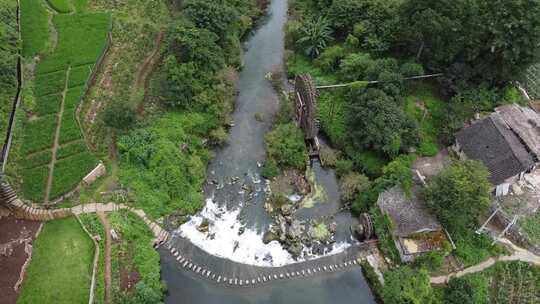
<point>224,239</point>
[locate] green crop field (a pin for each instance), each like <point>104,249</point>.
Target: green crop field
<point>78,76</point>
<point>34,182</point>
<point>37,159</point>
<point>68,172</point>
<point>61,6</point>
<point>70,149</point>
<point>81,39</point>
<point>61,267</point>
<point>39,134</point>
<point>48,104</point>
<point>34,27</point>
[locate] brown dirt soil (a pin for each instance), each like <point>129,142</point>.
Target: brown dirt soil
<point>128,275</point>
<point>11,264</point>
<point>142,78</point>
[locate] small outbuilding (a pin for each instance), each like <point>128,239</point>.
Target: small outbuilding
<point>415,229</point>
<point>507,142</point>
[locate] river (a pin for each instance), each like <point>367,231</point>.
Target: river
<point>234,211</point>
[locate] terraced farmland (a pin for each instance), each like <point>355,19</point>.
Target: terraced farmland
<point>55,157</point>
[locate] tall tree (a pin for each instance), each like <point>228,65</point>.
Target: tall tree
<point>460,193</point>
<point>377,122</point>
<point>473,41</point>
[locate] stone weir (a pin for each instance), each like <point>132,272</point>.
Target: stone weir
<point>227,272</point>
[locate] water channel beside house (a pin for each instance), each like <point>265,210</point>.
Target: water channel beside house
<point>234,215</point>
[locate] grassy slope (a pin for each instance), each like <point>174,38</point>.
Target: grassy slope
<point>61,267</point>
<point>427,109</point>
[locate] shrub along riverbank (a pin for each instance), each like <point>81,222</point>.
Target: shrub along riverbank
<point>163,159</point>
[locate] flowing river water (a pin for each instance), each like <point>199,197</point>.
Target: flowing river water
<point>234,212</point>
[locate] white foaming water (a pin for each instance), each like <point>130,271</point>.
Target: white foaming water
<point>247,248</point>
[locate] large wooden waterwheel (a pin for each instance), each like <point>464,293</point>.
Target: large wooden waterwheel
<point>306,105</point>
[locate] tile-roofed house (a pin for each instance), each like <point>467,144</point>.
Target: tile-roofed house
<point>500,147</point>
<point>415,229</point>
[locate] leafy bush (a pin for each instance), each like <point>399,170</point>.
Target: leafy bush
<point>285,145</point>
<point>383,228</point>
<point>405,285</point>
<point>344,166</point>
<point>351,185</point>
<point>460,193</point>
<point>471,289</point>
<point>119,115</point>
<point>69,172</point>
<point>330,59</point>
<point>137,238</point>
<point>164,165</point>
<point>34,27</point>
<point>315,35</point>
<point>328,156</point>
<point>215,16</point>
<point>270,169</point>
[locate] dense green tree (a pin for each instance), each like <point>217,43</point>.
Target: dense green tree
<point>471,289</point>
<point>407,286</point>
<point>314,36</point>
<point>473,41</point>
<point>285,145</point>
<point>198,45</point>
<point>373,22</point>
<point>460,193</point>
<point>9,43</point>
<point>216,15</point>
<point>182,83</point>
<point>377,122</point>
<point>119,115</point>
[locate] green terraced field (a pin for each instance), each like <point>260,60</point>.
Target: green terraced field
<point>34,27</point>
<point>60,83</point>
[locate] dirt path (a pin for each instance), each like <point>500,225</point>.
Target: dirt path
<point>141,80</point>
<point>519,254</point>
<point>108,268</point>
<point>56,140</point>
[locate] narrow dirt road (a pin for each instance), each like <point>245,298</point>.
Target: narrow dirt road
<point>108,271</point>
<point>519,254</point>
<point>141,79</point>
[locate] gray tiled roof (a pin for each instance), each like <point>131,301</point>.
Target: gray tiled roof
<point>409,213</point>
<point>492,142</point>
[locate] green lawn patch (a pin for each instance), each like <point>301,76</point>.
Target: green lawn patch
<point>61,6</point>
<point>61,267</point>
<point>69,172</point>
<point>428,110</point>
<point>48,104</point>
<point>34,182</point>
<point>80,5</point>
<point>39,134</point>
<point>34,27</point>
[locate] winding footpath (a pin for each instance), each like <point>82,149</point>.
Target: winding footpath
<point>519,254</point>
